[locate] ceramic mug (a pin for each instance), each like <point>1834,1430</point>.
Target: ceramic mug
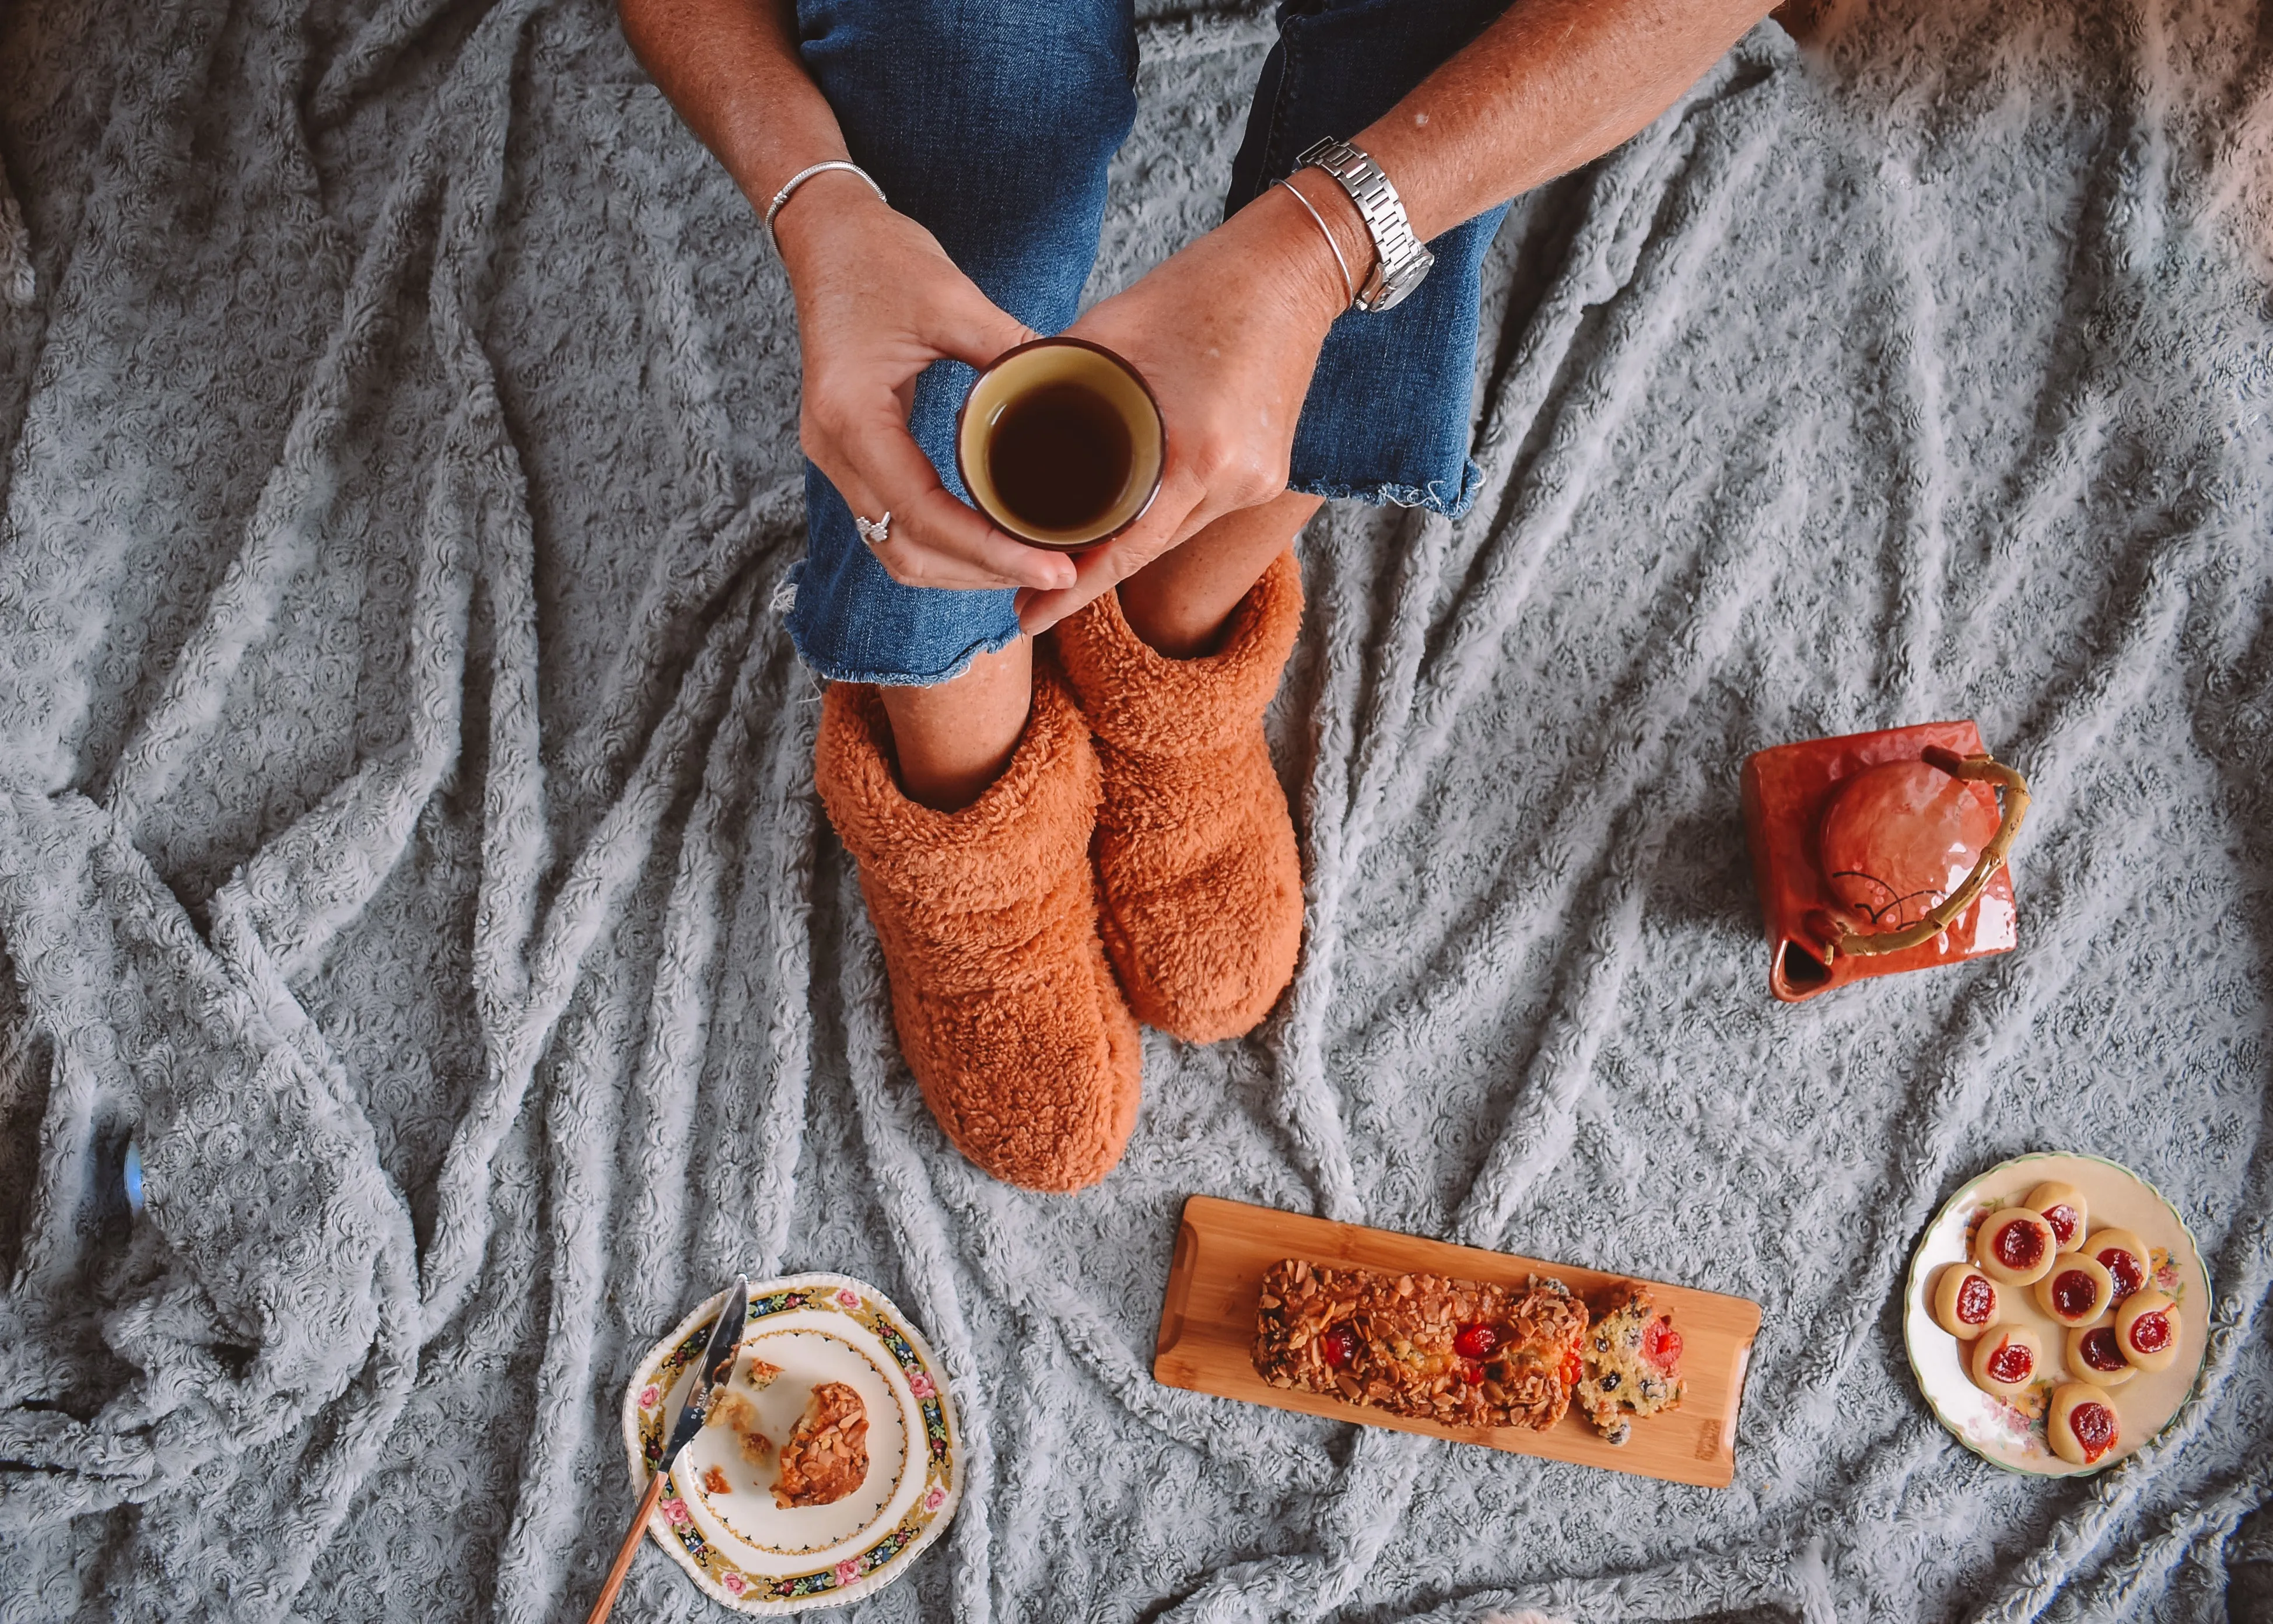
<point>1060,444</point>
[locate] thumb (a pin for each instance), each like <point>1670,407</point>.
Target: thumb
<point>972,327</point>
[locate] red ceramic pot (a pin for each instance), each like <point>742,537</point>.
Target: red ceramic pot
<point>1881,852</point>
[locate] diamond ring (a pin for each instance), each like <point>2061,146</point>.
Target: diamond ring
<point>875,533</point>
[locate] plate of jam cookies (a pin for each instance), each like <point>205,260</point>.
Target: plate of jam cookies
<point>2055,1314</point>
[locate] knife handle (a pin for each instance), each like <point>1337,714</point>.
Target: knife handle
<point>607,1600</point>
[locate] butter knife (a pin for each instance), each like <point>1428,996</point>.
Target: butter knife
<point>718,1357</point>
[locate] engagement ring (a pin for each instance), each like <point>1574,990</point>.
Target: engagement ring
<point>875,533</point>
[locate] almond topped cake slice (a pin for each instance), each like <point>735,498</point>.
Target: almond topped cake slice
<point>1633,1355</point>
<point>826,1455</point>
<point>1463,1352</point>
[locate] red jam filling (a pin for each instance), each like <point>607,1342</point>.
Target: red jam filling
<point>2019,1244</point>
<point>2093,1426</point>
<point>2010,1364</point>
<point>1573,1370</point>
<point>2101,1350</point>
<point>1661,1344</point>
<point>2074,1294</point>
<point>2062,1218</point>
<point>2150,1332</point>
<point>1476,1342</point>
<point>1977,1300</point>
<point>1340,1346</point>
<point>2125,1269</point>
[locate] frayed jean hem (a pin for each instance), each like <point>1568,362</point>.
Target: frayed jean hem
<point>837,670</point>
<point>1429,498</point>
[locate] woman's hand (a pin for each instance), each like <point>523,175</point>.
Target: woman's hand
<point>878,301</point>
<point>1226,333</point>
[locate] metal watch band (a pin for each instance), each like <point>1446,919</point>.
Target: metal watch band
<point>1400,260</point>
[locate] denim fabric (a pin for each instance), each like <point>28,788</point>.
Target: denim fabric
<point>992,121</point>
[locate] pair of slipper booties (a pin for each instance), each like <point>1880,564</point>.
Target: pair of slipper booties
<point>1135,862</point>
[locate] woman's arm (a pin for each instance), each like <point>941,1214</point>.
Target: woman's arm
<point>1228,330</point>
<point>877,299</point>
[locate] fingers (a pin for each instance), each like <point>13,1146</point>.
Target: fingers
<point>968,326</point>
<point>934,540</point>
<point>1178,513</point>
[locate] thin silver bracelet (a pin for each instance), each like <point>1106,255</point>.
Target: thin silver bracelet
<point>809,171</point>
<point>1348,287</point>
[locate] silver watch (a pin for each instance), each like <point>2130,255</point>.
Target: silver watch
<point>1399,261</point>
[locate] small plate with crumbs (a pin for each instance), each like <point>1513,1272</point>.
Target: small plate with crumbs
<point>827,1463</point>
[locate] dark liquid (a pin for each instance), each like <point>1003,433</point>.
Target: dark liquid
<point>1059,457</point>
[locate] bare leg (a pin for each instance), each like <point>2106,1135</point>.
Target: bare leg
<point>954,740</point>
<point>1180,601</point>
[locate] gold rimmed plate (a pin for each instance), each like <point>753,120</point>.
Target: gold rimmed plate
<point>2011,1433</point>
<point>717,1517</point>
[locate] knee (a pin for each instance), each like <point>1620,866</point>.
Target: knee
<point>1005,102</point>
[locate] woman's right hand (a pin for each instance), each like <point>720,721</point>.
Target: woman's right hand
<point>878,300</point>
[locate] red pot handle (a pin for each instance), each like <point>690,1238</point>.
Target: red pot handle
<point>1837,935</point>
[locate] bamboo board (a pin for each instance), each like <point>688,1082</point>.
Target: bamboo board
<point>1207,1324</point>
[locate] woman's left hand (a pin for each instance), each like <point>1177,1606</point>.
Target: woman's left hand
<point>1226,333</point>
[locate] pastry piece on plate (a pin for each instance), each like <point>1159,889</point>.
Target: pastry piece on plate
<point>2007,1361</point>
<point>1966,1302</point>
<point>2125,1258</point>
<point>2076,1290</point>
<point>2081,1424</point>
<point>826,1455</point>
<point>2015,1245</point>
<point>1633,1359</point>
<point>2064,1208</point>
<point>2147,1329</point>
<point>732,1409</point>
<point>2095,1357</point>
<point>1463,1352</point>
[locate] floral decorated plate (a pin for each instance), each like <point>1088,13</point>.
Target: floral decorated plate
<point>2012,1434</point>
<point>718,1517</point>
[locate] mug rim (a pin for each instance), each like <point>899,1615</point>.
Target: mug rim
<point>1062,341</point>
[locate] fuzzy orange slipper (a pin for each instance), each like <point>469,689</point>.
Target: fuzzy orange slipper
<point>1007,1010</point>
<point>1202,905</point>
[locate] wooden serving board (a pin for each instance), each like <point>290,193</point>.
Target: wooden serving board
<point>1207,1325</point>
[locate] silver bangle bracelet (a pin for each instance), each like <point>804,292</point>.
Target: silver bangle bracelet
<point>1349,288</point>
<point>807,173</point>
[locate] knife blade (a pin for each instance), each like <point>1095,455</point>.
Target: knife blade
<point>718,1359</point>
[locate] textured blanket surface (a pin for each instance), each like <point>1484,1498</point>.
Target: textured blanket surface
<point>407,840</point>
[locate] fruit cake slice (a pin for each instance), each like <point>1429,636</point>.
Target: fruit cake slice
<point>1633,1355</point>
<point>1462,1352</point>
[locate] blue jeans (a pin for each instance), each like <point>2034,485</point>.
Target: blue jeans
<point>992,122</point>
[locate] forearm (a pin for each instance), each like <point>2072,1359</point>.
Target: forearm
<point>732,70</point>
<point>1552,84</point>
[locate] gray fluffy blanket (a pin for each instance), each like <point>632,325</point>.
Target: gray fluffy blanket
<point>406,834</point>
